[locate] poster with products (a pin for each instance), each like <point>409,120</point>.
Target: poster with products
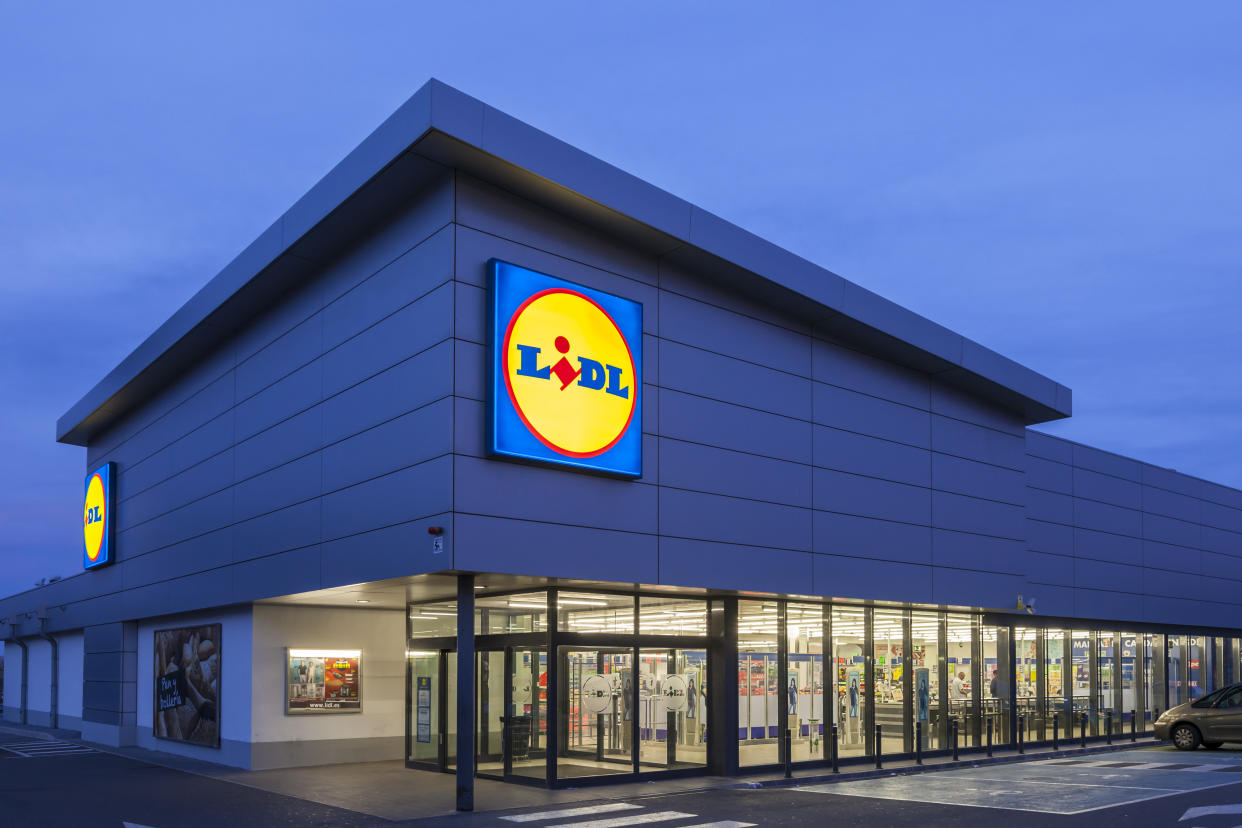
<point>323,681</point>
<point>187,685</point>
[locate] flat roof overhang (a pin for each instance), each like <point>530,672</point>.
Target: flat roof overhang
<point>440,128</point>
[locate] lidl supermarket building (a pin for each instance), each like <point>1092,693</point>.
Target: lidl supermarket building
<point>493,458</point>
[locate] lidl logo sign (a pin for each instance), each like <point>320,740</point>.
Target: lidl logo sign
<point>97,520</point>
<point>566,373</point>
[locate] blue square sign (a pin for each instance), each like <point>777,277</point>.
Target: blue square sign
<point>566,373</point>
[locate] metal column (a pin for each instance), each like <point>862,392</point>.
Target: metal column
<point>465,692</point>
<point>722,666</point>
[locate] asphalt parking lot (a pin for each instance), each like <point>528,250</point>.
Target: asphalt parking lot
<point>1059,786</point>
<point>54,783</point>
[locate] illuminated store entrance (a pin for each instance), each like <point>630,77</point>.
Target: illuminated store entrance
<point>626,692</point>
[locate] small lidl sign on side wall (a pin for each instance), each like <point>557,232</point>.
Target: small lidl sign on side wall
<point>566,373</point>
<point>97,517</point>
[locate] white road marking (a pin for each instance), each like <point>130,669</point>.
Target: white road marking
<point>632,819</point>
<point>727,823</point>
<point>46,747</point>
<point>572,812</point>
<point>1210,810</point>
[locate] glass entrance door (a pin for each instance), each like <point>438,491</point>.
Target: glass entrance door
<point>596,712</point>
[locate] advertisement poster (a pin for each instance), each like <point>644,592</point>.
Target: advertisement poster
<point>853,693</point>
<point>921,700</point>
<point>187,685</point>
<point>324,681</point>
<point>423,702</point>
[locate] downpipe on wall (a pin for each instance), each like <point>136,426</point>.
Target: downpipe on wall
<point>55,672</point>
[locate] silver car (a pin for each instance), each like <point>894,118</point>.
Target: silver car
<point>1209,721</point>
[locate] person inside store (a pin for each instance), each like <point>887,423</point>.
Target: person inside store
<point>959,685</point>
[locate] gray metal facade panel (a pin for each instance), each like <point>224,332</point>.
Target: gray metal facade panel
<point>761,443</point>
<point>1142,546</point>
<point>286,442</point>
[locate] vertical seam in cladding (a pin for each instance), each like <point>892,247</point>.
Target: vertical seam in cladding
<point>810,389</point>
<point>659,478</point>
<point>931,495</point>
<point>452,517</point>
<point>322,439</point>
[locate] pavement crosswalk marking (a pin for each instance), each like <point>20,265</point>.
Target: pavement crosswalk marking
<point>554,818</point>
<point>571,812</point>
<point>44,747</point>
<point>632,819</point>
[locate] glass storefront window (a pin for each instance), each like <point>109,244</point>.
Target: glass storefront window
<point>804,692</point>
<point>1080,677</point>
<point>1027,669</point>
<point>1195,684</point>
<point>1131,681</point>
<point>671,616</point>
<point>424,720</point>
<point>527,719</point>
<point>758,675</point>
<point>962,685</point>
<point>890,667</point>
<point>1058,680</point>
<point>1108,689</point>
<point>849,661</point>
<point>925,660</point>
<point>996,682</point>
<point>1177,668</point>
<point>436,620</point>
<point>522,613</point>
<point>672,708</point>
<point>579,612</point>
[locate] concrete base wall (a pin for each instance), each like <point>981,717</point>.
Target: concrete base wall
<point>235,699</point>
<point>108,735</point>
<point>376,733</point>
<point>265,755</point>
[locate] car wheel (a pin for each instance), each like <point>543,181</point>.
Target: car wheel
<point>1212,745</point>
<point>1185,737</point>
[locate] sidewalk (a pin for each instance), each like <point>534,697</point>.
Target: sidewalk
<point>389,790</point>
<point>1006,755</point>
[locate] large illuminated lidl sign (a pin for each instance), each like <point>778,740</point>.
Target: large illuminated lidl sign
<point>566,373</point>
<point>97,518</point>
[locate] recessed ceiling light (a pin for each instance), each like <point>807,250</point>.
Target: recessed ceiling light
<point>362,601</point>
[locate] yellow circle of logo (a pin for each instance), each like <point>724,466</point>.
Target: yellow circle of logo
<point>94,515</point>
<point>569,373</point>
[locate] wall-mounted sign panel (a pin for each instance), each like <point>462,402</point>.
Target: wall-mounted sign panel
<point>324,681</point>
<point>97,522</point>
<point>187,685</point>
<point>565,373</point>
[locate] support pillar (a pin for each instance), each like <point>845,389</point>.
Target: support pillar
<point>465,692</point>
<point>110,684</point>
<point>722,708</point>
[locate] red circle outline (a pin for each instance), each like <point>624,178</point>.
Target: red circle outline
<point>504,367</point>
<point>98,549</point>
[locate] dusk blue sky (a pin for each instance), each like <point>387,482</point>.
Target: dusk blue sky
<point>1061,182</point>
